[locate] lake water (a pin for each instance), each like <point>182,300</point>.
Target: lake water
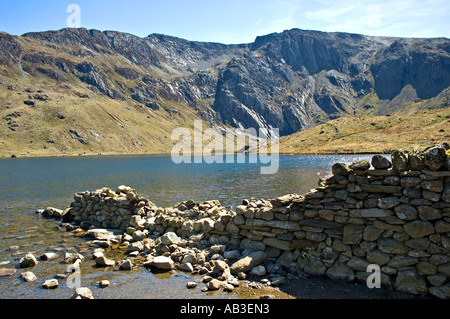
<point>28,184</point>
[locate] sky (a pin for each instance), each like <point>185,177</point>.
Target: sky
<point>231,21</point>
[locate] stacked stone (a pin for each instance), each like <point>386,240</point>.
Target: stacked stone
<point>392,213</point>
<point>188,219</point>
<point>105,208</point>
<point>396,215</point>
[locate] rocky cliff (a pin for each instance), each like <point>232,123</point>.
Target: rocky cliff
<point>292,80</point>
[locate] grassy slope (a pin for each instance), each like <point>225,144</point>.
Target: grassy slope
<point>372,134</point>
<point>109,126</point>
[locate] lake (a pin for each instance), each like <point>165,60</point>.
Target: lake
<point>28,184</point>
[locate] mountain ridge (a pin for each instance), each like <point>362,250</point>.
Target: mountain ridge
<point>293,80</point>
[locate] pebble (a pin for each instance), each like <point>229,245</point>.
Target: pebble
<point>191,285</point>
<point>104,262</point>
<point>48,256</point>
<point>50,284</point>
<point>28,276</point>
<point>28,261</point>
<point>126,265</point>
<point>104,284</point>
<point>6,272</point>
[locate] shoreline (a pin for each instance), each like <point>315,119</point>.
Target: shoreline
<point>366,214</point>
<point>92,155</point>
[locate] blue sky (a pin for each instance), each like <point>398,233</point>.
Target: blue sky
<point>233,21</point>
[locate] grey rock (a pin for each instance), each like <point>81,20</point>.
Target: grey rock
<point>381,162</point>
<point>104,262</point>
<point>418,228</point>
<point>362,165</point>
<point>126,265</point>
<point>50,284</point>
<point>406,212</point>
<point>391,246</point>
<point>409,281</point>
<point>48,256</point>
<point>186,267</point>
<point>340,169</point>
<point>340,271</point>
<point>28,261</point>
<point>434,158</point>
<point>399,161</point>
<point>248,263</point>
<point>258,271</point>
<point>82,293</point>
<point>28,276</point>
<point>442,292</point>
<point>160,262</point>
<point>429,213</point>
<point>169,238</point>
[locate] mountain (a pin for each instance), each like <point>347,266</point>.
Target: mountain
<point>86,91</point>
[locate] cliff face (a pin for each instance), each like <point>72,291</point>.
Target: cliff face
<point>292,80</point>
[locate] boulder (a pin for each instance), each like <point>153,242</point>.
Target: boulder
<point>28,276</point>
<point>104,262</point>
<point>409,281</point>
<point>169,238</point>
<point>99,234</point>
<point>126,265</point>
<point>4,272</point>
<point>215,284</point>
<point>258,271</point>
<point>191,285</point>
<point>248,263</point>
<point>52,212</point>
<point>415,161</point>
<point>340,169</point>
<point>340,271</point>
<point>399,161</point>
<point>48,256</point>
<point>139,235</point>
<point>186,267</point>
<point>381,162</point>
<point>434,157</point>
<point>418,228</point>
<point>406,212</point>
<point>28,261</point>
<point>442,292</point>
<point>391,246</point>
<point>82,293</point>
<point>377,257</point>
<point>160,263</point>
<point>50,284</point>
<point>361,165</point>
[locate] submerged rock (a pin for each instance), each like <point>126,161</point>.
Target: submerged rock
<point>28,276</point>
<point>50,284</point>
<point>104,262</point>
<point>28,261</point>
<point>4,272</point>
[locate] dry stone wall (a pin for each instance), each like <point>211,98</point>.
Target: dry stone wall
<point>391,213</point>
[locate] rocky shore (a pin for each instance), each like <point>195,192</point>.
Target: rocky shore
<point>391,213</point>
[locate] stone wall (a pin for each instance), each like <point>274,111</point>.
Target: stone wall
<point>392,213</point>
